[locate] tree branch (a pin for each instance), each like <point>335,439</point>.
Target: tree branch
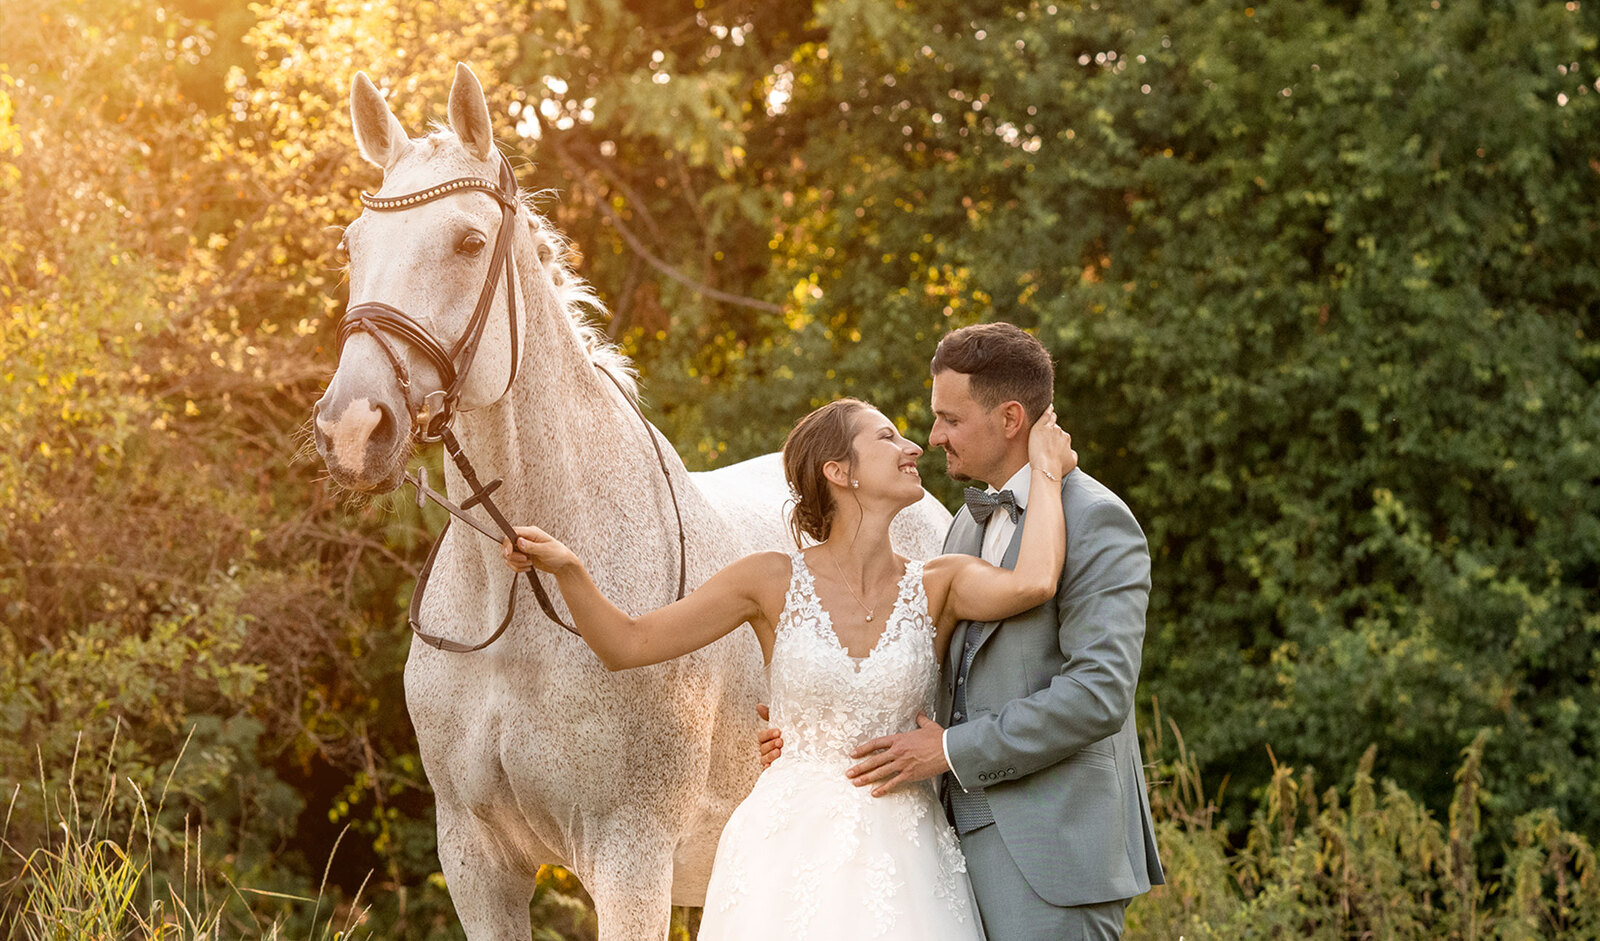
<point>639,248</point>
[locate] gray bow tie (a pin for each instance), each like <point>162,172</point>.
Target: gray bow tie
<point>982,504</point>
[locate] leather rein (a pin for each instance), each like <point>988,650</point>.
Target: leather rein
<point>384,323</point>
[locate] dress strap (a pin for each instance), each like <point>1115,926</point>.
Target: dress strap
<point>799,574</point>
<point>911,586</point>
<point>800,593</point>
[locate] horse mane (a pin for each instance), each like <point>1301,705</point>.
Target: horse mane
<point>578,299</point>
<point>575,295</point>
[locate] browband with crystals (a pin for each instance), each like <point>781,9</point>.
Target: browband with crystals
<point>384,203</point>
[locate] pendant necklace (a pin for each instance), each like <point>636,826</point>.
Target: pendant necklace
<point>838,568</point>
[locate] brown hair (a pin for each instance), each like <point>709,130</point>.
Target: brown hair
<point>1005,364</point>
<point>822,436</point>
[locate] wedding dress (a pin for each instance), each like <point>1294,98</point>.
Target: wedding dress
<point>808,855</point>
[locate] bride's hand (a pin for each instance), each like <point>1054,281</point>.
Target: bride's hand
<point>1049,447</point>
<point>536,548</point>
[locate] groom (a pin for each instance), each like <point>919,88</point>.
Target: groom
<point>1035,748</point>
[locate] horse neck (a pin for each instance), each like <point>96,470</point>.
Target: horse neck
<point>564,440</point>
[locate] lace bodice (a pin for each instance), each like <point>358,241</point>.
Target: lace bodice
<point>809,855</point>
<point>826,702</point>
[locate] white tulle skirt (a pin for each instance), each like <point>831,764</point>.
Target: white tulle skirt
<point>810,856</point>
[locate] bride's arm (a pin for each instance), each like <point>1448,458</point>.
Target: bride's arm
<point>974,590</point>
<point>728,599</point>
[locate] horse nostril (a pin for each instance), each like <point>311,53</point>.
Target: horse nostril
<point>318,436</point>
<point>386,429</point>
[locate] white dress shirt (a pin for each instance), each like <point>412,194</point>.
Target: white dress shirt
<point>997,535</point>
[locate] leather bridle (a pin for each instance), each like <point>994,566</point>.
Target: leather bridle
<point>376,318</point>
<point>384,322</point>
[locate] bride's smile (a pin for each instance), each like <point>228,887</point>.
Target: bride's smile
<point>886,461</point>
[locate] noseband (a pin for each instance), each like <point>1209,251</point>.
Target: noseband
<point>379,321</point>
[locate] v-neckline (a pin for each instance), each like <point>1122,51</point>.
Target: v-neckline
<point>838,642</point>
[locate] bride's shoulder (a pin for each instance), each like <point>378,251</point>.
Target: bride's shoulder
<point>767,565</point>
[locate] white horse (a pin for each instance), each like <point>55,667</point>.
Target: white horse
<point>536,753</point>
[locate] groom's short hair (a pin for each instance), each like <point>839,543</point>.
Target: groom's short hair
<point>1003,364</point>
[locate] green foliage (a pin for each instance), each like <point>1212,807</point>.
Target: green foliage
<point>1366,861</point>
<point>105,869</point>
<point>1319,278</point>
<point>154,576</point>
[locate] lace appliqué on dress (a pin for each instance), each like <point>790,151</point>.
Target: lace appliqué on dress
<point>808,852</point>
<point>828,703</point>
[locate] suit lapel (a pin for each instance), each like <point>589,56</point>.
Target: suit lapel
<point>1014,548</point>
<point>965,537</point>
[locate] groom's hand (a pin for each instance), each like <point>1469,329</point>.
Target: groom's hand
<point>894,760</point>
<point>769,739</point>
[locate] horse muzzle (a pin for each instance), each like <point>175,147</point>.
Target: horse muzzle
<point>362,442</point>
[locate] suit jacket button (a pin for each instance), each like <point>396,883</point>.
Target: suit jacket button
<point>1011,771</point>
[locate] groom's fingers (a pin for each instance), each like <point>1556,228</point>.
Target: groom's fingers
<point>876,745</point>
<point>890,784</point>
<point>770,742</point>
<point>867,772</point>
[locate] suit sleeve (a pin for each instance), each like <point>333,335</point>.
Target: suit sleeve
<point>1100,608</point>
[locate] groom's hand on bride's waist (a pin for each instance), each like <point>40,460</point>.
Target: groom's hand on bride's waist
<point>769,739</point>
<point>895,760</point>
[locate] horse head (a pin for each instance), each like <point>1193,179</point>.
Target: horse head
<point>434,323</point>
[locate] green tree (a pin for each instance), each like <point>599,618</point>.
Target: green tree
<point>1320,282</point>
<point>154,583</point>
<point>1319,278</point>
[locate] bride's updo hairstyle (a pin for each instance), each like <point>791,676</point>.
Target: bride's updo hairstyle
<point>824,435</point>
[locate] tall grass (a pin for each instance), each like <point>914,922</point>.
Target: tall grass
<point>101,878</point>
<point>1366,861</point>
<point>1362,861</point>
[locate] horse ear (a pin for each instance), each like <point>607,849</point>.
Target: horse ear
<point>469,114</point>
<point>379,135</point>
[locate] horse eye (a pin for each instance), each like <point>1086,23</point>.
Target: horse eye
<point>471,244</point>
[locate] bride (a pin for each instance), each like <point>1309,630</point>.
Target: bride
<point>853,636</point>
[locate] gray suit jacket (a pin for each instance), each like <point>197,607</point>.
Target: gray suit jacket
<point>1051,737</point>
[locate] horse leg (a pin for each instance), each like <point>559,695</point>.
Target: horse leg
<point>490,900</point>
<point>630,880</point>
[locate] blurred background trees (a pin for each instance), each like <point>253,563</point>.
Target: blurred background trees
<point>1320,279</point>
